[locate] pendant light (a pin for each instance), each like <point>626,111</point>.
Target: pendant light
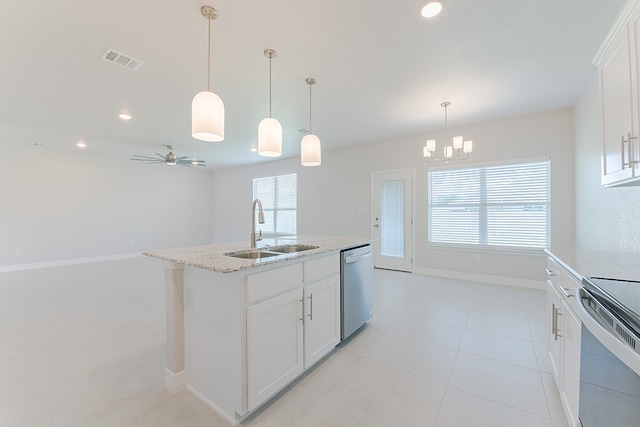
<point>269,129</point>
<point>450,152</point>
<point>207,109</point>
<point>310,150</point>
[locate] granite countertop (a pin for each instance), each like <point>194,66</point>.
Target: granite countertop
<point>211,257</point>
<point>613,265</point>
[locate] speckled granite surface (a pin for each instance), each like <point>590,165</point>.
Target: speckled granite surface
<point>613,265</point>
<point>211,257</point>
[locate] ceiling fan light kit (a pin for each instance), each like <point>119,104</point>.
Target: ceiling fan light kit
<point>207,108</point>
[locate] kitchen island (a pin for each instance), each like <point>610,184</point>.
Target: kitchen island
<point>241,329</point>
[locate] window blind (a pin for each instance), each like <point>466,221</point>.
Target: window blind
<point>499,206</point>
<point>278,195</point>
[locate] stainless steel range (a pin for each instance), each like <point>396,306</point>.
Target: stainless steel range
<point>610,353</point>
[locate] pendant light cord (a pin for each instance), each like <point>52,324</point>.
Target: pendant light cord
<point>270,57</point>
<point>310,108</point>
<point>209,56</point>
<point>445,119</point>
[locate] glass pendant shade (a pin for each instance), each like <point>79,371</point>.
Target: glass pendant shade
<point>207,117</point>
<point>468,147</point>
<point>448,152</point>
<point>270,138</point>
<point>311,151</point>
<point>457,142</point>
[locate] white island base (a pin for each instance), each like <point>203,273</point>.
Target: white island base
<point>235,339</point>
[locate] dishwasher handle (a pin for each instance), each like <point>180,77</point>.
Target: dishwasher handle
<point>356,258</point>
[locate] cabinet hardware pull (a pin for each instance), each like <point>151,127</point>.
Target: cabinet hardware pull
<point>566,293</point>
<point>301,310</point>
<point>550,273</point>
<point>553,319</point>
<point>310,306</point>
<point>556,334</point>
<point>629,150</point>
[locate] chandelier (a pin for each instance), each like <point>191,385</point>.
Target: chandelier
<point>450,152</point>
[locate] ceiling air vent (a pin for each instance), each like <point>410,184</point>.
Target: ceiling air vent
<point>121,59</point>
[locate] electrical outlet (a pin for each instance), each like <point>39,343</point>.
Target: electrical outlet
<point>188,297</point>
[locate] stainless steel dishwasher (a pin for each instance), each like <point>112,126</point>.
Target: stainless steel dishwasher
<point>356,288</point>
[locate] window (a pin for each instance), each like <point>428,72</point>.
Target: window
<point>278,195</point>
<point>493,206</point>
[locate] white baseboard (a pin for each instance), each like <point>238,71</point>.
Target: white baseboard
<point>175,382</point>
<point>482,278</point>
<point>62,262</point>
<point>231,420</point>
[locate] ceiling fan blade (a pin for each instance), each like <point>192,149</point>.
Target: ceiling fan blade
<point>149,159</point>
<point>191,162</point>
<point>182,157</point>
<point>162,157</point>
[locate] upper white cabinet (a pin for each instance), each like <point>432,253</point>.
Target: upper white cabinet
<point>618,63</point>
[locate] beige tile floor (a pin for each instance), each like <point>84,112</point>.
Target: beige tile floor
<point>84,346</point>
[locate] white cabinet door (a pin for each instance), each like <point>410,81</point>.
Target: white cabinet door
<point>322,319</point>
<point>274,345</point>
<point>619,75</point>
<point>617,108</point>
<point>571,339</point>
<point>554,326</point>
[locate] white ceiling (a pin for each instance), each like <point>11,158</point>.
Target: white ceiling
<point>381,69</point>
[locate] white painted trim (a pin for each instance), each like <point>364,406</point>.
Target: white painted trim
<point>62,262</point>
<point>175,382</point>
<point>482,278</point>
<point>231,420</point>
<point>618,26</point>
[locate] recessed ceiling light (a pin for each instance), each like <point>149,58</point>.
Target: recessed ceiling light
<point>125,116</point>
<point>81,144</point>
<point>254,149</point>
<point>431,8</point>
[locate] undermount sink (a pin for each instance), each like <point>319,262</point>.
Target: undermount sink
<point>288,249</point>
<point>270,251</point>
<point>253,254</point>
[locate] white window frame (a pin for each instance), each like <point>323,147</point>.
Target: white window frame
<point>482,226</point>
<point>276,208</point>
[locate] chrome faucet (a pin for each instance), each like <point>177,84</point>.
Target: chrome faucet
<point>253,221</point>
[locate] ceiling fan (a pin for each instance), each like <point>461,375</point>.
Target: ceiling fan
<point>169,159</point>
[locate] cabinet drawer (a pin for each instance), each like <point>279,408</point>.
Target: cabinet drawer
<point>321,267</point>
<point>271,282</point>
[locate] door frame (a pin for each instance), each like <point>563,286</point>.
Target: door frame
<point>411,225</point>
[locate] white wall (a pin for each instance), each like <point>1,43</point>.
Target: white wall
<point>606,218</point>
<point>329,196</point>
<point>61,205</point>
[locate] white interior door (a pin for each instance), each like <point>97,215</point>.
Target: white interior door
<point>392,219</point>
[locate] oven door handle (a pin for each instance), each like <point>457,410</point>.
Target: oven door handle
<point>612,342</point>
